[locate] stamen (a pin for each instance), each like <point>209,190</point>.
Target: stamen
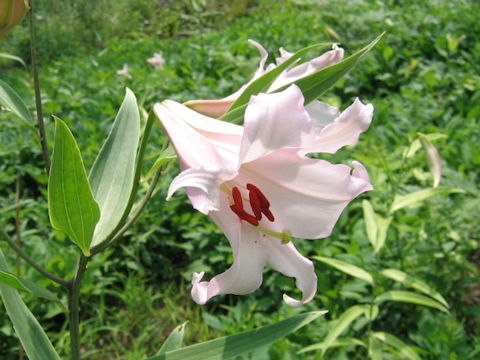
<point>238,209</point>
<point>255,192</point>
<point>255,204</point>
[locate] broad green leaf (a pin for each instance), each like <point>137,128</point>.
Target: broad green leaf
<point>398,344</point>
<point>433,159</point>
<point>235,345</point>
<point>416,145</point>
<point>347,268</point>
<point>174,340</point>
<point>401,201</point>
<point>341,324</point>
<point>337,343</point>
<point>413,282</point>
<point>13,57</point>
<point>263,82</point>
<point>409,297</point>
<point>71,205</point>
<point>14,103</point>
<point>316,84</point>
<point>165,156</point>
<point>25,285</point>
<point>112,174</point>
<point>34,340</point>
<point>370,223</point>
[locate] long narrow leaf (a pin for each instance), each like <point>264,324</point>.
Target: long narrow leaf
<point>13,57</point>
<point>409,297</point>
<point>34,340</point>
<point>337,343</point>
<point>263,82</point>
<point>398,344</point>
<point>235,345</point>
<point>113,171</point>
<point>370,223</point>
<point>413,282</point>
<point>342,323</point>
<point>433,159</point>
<point>401,201</point>
<point>14,103</point>
<point>347,268</point>
<point>71,205</point>
<point>316,84</point>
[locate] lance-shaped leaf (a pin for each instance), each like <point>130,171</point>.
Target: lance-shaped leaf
<point>351,342</point>
<point>263,82</point>
<point>112,174</point>
<point>342,323</point>
<point>174,340</point>
<point>401,201</point>
<point>398,344</point>
<point>413,282</point>
<point>13,57</point>
<point>34,340</point>
<point>316,84</point>
<point>416,145</point>
<point>375,225</point>
<point>71,205</point>
<point>165,156</point>
<point>26,285</point>
<point>14,103</point>
<point>433,159</point>
<point>238,344</point>
<point>347,268</point>
<point>409,297</point>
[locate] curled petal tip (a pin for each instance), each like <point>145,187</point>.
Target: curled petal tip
<point>293,302</point>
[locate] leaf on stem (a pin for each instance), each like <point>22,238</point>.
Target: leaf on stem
<point>409,297</point>
<point>112,174</point>
<point>433,159</point>
<point>33,338</point>
<point>347,268</point>
<point>71,205</point>
<point>401,201</point>
<point>174,340</point>
<point>14,103</point>
<point>396,343</point>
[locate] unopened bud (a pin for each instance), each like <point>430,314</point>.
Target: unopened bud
<point>11,13</point>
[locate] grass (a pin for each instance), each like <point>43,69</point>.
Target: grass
<point>423,77</point>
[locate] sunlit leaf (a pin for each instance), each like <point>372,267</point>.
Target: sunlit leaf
<point>383,223</point>
<point>413,282</point>
<point>165,156</point>
<point>13,57</point>
<point>416,145</point>
<point>33,338</point>
<point>347,317</point>
<point>370,223</point>
<point>71,205</point>
<point>347,268</point>
<point>433,159</point>
<point>398,344</point>
<point>174,340</point>
<point>235,345</point>
<point>337,343</point>
<point>401,201</point>
<point>14,103</point>
<point>112,174</point>
<point>410,297</point>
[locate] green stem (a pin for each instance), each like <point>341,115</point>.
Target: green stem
<point>73,306</point>
<point>38,97</point>
<point>32,262</point>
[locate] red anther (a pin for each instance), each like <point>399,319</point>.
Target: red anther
<point>261,202</point>
<point>255,204</point>
<point>263,199</point>
<point>238,209</point>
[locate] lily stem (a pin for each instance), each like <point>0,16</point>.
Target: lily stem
<point>38,96</point>
<point>73,306</point>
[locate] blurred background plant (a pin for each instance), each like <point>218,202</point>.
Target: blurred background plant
<point>422,78</point>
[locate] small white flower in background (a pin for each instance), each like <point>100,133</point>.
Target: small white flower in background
<point>124,71</point>
<point>157,60</point>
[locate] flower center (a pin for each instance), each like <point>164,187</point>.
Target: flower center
<point>258,202</point>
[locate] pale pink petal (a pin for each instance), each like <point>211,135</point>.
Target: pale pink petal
<point>203,187</point>
<point>307,68</point>
<point>243,277</point>
<point>212,108</point>
<point>275,121</point>
<point>345,130</point>
<point>194,149</point>
<point>306,195</point>
<point>322,114</point>
<point>286,259</point>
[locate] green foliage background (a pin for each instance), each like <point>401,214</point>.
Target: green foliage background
<point>423,77</point>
